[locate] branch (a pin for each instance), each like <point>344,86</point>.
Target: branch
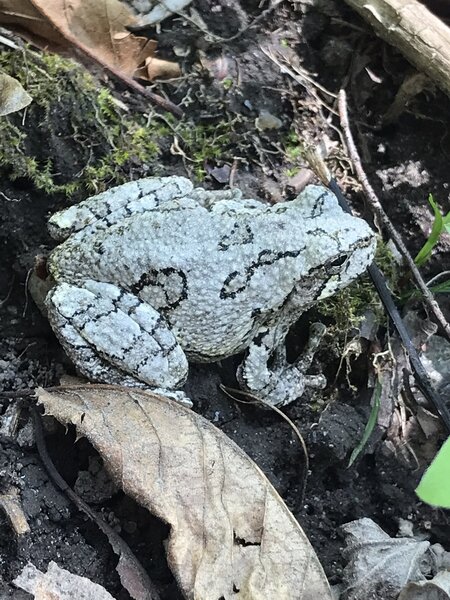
<point>420,36</point>
<point>384,219</point>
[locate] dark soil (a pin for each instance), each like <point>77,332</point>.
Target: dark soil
<point>405,161</point>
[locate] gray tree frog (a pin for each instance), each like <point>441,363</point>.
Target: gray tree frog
<point>154,273</point>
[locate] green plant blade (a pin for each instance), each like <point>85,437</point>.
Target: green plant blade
<point>438,225</point>
<point>370,424</point>
<point>434,487</point>
<point>441,288</point>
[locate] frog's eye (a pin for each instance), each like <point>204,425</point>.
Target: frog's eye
<point>338,262</point>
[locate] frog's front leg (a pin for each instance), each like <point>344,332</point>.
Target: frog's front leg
<point>283,382</point>
<point>113,337</point>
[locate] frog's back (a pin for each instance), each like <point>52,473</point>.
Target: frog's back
<point>207,272</point>
<point>201,243</point>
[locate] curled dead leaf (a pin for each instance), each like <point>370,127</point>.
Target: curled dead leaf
<point>97,28</point>
<point>156,68</point>
<point>231,534</point>
<point>12,95</point>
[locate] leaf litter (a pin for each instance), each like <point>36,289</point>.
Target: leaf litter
<point>13,97</point>
<point>231,535</point>
<point>58,584</point>
<point>99,29</point>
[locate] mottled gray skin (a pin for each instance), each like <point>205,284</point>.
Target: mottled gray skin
<point>196,274</point>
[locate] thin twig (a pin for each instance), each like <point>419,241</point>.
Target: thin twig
<point>255,21</point>
<point>252,399</point>
<point>7,42</point>
<point>300,77</point>
<point>216,39</point>
<point>384,219</point>
<point>437,277</point>
<point>155,98</point>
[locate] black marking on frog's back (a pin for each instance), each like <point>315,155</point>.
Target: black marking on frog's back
<point>171,281</point>
<point>239,235</point>
<point>240,279</point>
<point>317,206</point>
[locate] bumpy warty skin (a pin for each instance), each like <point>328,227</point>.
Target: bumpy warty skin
<point>216,274</point>
<point>154,272</point>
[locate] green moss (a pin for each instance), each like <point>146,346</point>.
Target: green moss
<point>389,266</point>
<point>347,307</point>
<point>205,142</point>
<point>293,150</point>
<point>227,83</point>
<point>75,135</point>
<point>292,171</point>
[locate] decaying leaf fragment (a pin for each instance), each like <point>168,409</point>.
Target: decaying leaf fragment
<point>156,68</point>
<point>11,505</point>
<point>379,566</point>
<point>58,584</point>
<point>162,10</point>
<point>12,95</point>
<point>97,28</point>
<point>231,534</point>
<point>437,588</point>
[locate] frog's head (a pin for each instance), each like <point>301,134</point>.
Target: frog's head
<point>340,246</point>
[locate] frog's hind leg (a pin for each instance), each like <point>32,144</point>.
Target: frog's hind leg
<point>113,337</point>
<point>105,209</point>
<point>282,382</point>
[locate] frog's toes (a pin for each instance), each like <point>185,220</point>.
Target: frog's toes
<point>316,333</point>
<point>281,382</point>
<point>114,337</point>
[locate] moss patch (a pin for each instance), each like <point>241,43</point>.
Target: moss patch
<point>74,135</point>
<point>294,152</point>
<point>347,307</point>
<point>208,143</point>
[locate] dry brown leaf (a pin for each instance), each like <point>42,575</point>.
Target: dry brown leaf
<point>231,534</point>
<point>22,14</point>
<point>12,95</point>
<point>97,28</point>
<point>157,68</point>
<point>58,584</point>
